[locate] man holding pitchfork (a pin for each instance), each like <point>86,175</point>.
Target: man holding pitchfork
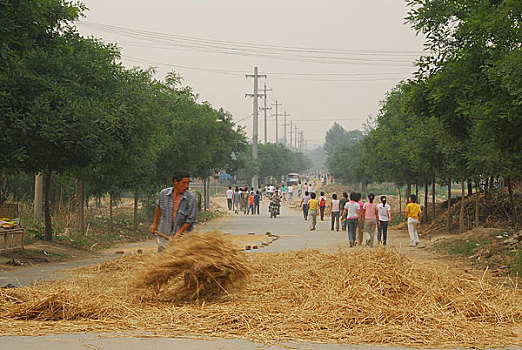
<point>176,211</point>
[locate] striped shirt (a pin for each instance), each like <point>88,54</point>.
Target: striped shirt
<point>187,211</point>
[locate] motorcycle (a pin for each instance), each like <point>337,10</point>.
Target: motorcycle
<point>273,208</point>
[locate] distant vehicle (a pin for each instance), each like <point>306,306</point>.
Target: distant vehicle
<point>293,179</point>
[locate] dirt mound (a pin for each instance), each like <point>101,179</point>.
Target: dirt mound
<point>498,250</point>
<point>494,212</point>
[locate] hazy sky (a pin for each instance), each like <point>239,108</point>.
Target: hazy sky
<point>325,60</point>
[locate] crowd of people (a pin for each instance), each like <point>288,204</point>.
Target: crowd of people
<point>365,222</point>
<point>243,200</point>
<point>361,220</point>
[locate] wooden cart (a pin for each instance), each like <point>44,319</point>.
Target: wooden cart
<point>11,238</point>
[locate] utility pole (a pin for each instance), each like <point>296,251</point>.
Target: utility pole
<point>295,136</point>
<point>255,95</point>
<point>301,141</point>
<point>291,130</point>
<point>277,104</point>
<point>265,108</point>
<point>285,114</point>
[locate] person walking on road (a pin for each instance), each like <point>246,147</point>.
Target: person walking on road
<point>351,213</point>
<point>257,199</point>
<point>237,199</point>
<point>370,220</point>
<point>413,215</point>
<point>360,224</point>
<point>229,195</point>
<point>313,205</point>
<point>322,205</point>
<point>244,200</point>
<point>250,209</point>
<point>384,210</point>
<point>175,212</point>
<point>335,212</point>
<point>304,204</point>
<point>342,203</point>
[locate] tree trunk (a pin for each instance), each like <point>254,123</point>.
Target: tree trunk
<point>512,199</point>
<point>400,200</point>
<point>111,221</point>
<point>470,188</point>
<point>462,202</point>
<point>364,187</point>
<point>448,223</point>
<point>204,194</point>
<point>207,198</point>
<point>47,207</point>
<point>417,192</point>
<point>79,199</point>
<point>477,212</point>
<point>1,187</point>
<point>38,194</point>
<point>408,192</point>
<point>426,216</point>
<point>433,199</point>
<point>60,201</point>
<point>135,210</point>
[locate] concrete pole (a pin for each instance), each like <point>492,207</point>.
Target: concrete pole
<point>265,120</point>
<point>255,96</point>
<point>291,131</point>
<point>255,180</point>
<point>285,129</point>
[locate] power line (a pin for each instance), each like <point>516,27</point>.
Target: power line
<point>237,73</point>
<point>173,37</point>
<point>291,53</point>
<point>240,120</point>
<point>212,70</point>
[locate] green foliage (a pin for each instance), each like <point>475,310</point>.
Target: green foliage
<point>71,108</point>
<point>460,118</point>
<point>347,163</point>
<point>457,247</point>
<point>338,136</point>
<point>274,160</point>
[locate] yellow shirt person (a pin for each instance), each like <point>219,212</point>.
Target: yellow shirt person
<point>413,210</point>
<point>413,216</point>
<point>313,204</point>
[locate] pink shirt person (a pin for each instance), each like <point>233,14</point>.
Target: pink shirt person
<point>370,211</point>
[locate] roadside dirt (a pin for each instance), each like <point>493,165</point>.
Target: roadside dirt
<point>42,252</point>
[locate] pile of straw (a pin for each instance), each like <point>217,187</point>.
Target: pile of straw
<point>58,302</point>
<point>374,296</point>
<point>195,266</point>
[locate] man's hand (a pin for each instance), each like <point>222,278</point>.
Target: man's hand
<point>153,228</point>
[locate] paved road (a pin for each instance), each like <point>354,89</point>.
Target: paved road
<point>295,232</point>
<point>27,275</point>
<point>294,235</point>
<point>95,341</point>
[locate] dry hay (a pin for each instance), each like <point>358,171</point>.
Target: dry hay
<point>196,266</point>
<point>373,296</point>
<point>494,211</point>
<point>60,301</point>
